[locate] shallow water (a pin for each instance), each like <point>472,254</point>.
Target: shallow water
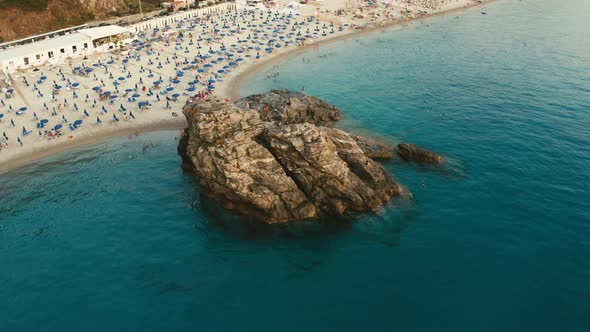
<point>109,238</point>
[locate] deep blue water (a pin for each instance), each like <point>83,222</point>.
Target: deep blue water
<point>109,238</point>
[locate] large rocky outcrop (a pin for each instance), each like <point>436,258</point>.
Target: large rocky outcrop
<point>233,167</point>
<point>330,168</point>
<point>280,172</point>
<point>287,107</point>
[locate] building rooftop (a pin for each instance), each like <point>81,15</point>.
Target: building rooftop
<point>80,36</point>
<point>43,45</point>
<point>101,32</point>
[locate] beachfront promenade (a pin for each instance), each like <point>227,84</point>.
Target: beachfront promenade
<point>144,85</point>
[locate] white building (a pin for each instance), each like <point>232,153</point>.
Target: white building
<point>55,50</point>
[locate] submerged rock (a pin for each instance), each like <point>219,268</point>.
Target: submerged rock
<point>373,148</point>
<point>411,152</point>
<point>287,107</point>
<point>280,172</point>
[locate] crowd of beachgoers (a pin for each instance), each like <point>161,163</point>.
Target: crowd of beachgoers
<point>430,4</point>
<point>148,81</point>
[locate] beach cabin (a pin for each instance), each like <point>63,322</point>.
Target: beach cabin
<point>54,50</point>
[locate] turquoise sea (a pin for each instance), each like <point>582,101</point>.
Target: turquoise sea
<point>107,238</point>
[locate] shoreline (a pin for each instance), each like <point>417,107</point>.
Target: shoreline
<point>65,146</point>
<point>230,88</point>
<point>235,83</point>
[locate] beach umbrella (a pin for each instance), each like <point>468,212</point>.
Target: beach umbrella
<point>77,123</point>
<point>170,88</point>
<point>128,90</point>
<point>22,109</point>
<point>75,85</point>
<point>135,95</point>
<point>176,95</point>
<point>57,127</point>
<point>106,93</point>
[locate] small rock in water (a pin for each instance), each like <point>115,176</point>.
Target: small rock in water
<point>411,152</point>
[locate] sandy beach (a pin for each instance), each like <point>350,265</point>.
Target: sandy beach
<point>148,87</point>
